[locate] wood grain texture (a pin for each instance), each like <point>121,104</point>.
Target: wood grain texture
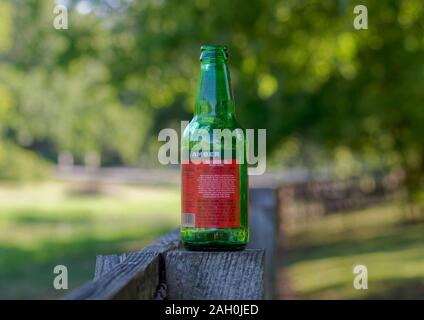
<point>124,280</point>
<point>215,275</point>
<point>105,263</point>
<point>129,276</point>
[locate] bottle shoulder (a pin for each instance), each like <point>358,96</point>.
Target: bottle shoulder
<point>210,122</point>
<point>213,128</point>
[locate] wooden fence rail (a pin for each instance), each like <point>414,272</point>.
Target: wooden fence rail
<point>163,270</point>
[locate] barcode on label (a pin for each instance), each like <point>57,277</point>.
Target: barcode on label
<point>189,220</point>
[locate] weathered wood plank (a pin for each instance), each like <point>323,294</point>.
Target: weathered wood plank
<point>129,276</point>
<point>215,275</point>
<point>105,263</point>
<point>264,233</point>
<point>123,280</point>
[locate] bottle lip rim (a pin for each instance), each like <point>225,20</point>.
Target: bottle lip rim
<point>212,47</point>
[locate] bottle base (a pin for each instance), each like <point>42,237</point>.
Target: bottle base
<point>214,239</point>
<point>213,247</point>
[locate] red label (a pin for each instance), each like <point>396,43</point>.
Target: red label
<point>211,195</point>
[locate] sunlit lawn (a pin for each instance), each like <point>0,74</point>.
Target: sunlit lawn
<point>43,225</point>
<point>321,256</point>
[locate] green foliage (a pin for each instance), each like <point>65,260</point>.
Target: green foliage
<point>18,164</point>
<point>127,69</point>
<point>5,26</point>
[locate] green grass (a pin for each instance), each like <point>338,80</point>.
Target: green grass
<point>43,225</point>
<point>321,255</point>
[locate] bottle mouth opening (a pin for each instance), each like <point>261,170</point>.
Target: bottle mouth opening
<point>210,47</point>
<point>212,53</point>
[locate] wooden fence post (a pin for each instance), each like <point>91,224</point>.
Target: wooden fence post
<point>197,275</point>
<point>264,233</point>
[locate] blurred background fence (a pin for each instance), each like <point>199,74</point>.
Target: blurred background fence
<point>307,200</point>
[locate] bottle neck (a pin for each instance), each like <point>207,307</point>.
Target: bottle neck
<point>214,93</point>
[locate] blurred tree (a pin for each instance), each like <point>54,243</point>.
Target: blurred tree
<point>66,100</point>
<point>126,69</point>
<point>300,70</point>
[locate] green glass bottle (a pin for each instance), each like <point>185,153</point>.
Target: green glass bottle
<point>214,170</point>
